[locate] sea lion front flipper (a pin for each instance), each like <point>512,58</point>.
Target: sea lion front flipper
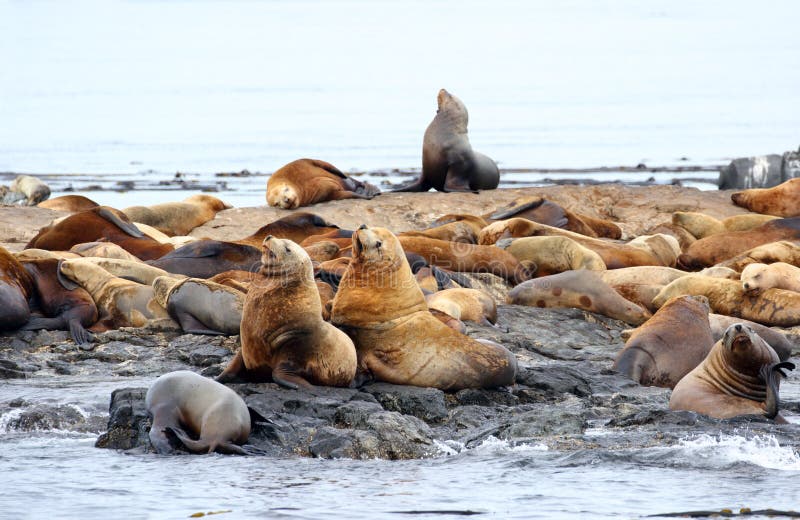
<point>233,370</point>
<point>286,374</point>
<point>771,375</point>
<point>79,334</point>
<point>192,325</point>
<point>417,185</point>
<point>510,211</point>
<point>125,225</point>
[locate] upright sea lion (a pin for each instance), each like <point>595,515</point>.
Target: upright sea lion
<point>552,254</point>
<point>722,246</point>
<point>120,302</point>
<point>16,288</point>
<point>669,345</point>
<point>65,306</point>
<point>757,277</point>
<point>577,289</point>
<point>398,340</point>
<point>779,342</point>
<point>782,200</point>
<point>186,405</point>
<point>205,258</point>
<point>33,188</point>
<point>103,250</point>
<point>465,305</point>
<point>781,251</point>
<point>296,226</point>
<point>307,181</point>
<point>538,209</point>
<point>71,203</point>
<point>701,225</point>
<point>283,334</point>
<point>98,223</point>
<point>178,218</point>
<point>448,161</point>
<point>200,306</point>
<point>740,376</point>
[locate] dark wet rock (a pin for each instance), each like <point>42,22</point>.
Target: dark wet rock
<point>427,404</point>
<point>472,396</point>
<point>60,367</point>
<point>128,422</point>
<point>42,417</point>
<point>14,370</point>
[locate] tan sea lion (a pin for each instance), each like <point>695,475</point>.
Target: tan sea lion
<point>200,306</point>
<point>71,203</point>
<point>322,251</point>
<point>465,305</point>
<point>701,225</point>
<point>185,405</point>
<point>779,342</point>
<point>33,188</point>
<point>717,271</point>
<point>577,289</point>
<point>16,288</point>
<point>308,181</point>
<point>781,251</point>
<point>398,340</point>
<point>297,226</point>
<point>448,161</point>
<point>120,302</point>
<point>782,200</point>
<point>178,218</point>
<point>41,254</point>
<point>452,231</point>
<point>283,334</point>
<point>722,246</point>
<point>740,376</point>
<point>757,277</point>
<point>475,222</point>
<point>340,237</point>
<point>103,250</point>
<point>547,255</point>
<point>684,238</point>
<point>134,271</point>
<point>326,295</point>
<point>543,211</point>
<point>669,345</point>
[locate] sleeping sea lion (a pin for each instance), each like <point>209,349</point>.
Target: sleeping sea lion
<point>308,181</point>
<point>200,306</point>
<point>178,218</point>
<point>782,200</point>
<point>205,258</point>
<point>71,203</point>
<point>296,226</point>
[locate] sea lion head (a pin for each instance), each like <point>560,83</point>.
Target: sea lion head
<point>376,247</point>
<point>745,350</point>
<point>209,201</point>
<point>282,257</point>
<point>162,286</point>
<point>452,107</point>
<point>283,196</point>
<point>755,278</point>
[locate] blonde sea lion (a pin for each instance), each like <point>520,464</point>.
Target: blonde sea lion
<point>200,306</point>
<point>398,340</point>
<point>684,238</point>
<point>448,161</point>
<point>465,305</point>
<point>71,203</point>
<point>308,181</point>
<point>701,225</point>
<point>178,218</point>
<point>283,334</point>
<point>135,271</point>
<point>782,200</point>
<point>547,255</point>
<point>33,188</point>
<point>669,345</point>
<point>452,231</point>
<point>781,251</point>
<point>41,254</point>
<point>103,250</point>
<point>577,289</point>
<point>740,376</point>
<point>185,405</point>
<point>757,277</point>
<point>120,302</point>
<point>475,222</point>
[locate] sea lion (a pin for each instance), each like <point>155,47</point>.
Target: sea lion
<point>465,305</point>
<point>552,254</point>
<point>340,237</point>
<point>452,231</point>
<point>71,203</point>
<point>322,251</point>
<point>773,307</point>
<point>178,218</point>
<point>475,222</point>
<point>95,224</point>
<point>65,306</point>
<point>466,257</point>
<point>448,161</point>
<point>16,288</point>
<point>186,405</point>
<point>669,345</point>
<point>781,251</point>
<point>757,277</point>
<point>103,250</point>
<point>543,211</point>
<point>200,306</point>
<point>722,246</point>
<point>782,200</point>
<point>326,295</point>
<point>283,333</point>
<point>701,225</point>
<point>120,302</point>
<point>134,271</point>
<point>308,181</point>
<point>779,342</point>
<point>577,289</point>
<point>34,189</point>
<point>740,376</point>
<point>205,258</point>
<point>296,226</point>
<point>398,340</point>
<point>41,254</point>
<point>684,238</point>
<point>717,271</point>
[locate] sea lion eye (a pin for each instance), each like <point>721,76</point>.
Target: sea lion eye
<point>378,244</point>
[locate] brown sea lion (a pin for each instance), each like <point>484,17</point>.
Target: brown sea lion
<point>538,209</point>
<point>701,225</point>
<point>577,289</point>
<point>757,277</point>
<point>684,238</point>
<point>326,295</point>
<point>33,188</point>
<point>200,306</point>
<point>296,226</point>
<point>16,288</point>
<point>178,218</point>
<point>475,222</point>
<point>308,181</point>
<point>781,251</point>
<point>548,255</point>
<point>722,246</point>
<point>283,334</point>
<point>740,376</point>
<point>782,200</point>
<point>448,161</point>
<point>322,251</point>
<point>98,223</point>
<point>466,257</point>
<point>120,302</point>
<point>773,307</point>
<point>340,237</point>
<point>669,345</point>
<point>236,279</point>
<point>205,258</point>
<point>186,405</point>
<point>71,203</point>
<point>398,340</point>
<point>465,305</point>
<point>779,342</point>
<point>64,305</point>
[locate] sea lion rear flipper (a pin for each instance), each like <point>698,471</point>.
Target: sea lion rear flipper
<point>192,325</point>
<point>229,448</point>
<point>771,375</point>
<point>328,167</point>
<point>125,225</point>
<point>510,211</point>
<point>189,443</point>
<point>42,323</point>
<point>286,374</point>
<point>79,334</point>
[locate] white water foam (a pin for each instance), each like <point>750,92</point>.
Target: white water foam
<point>490,445</point>
<point>9,417</point>
<point>759,450</point>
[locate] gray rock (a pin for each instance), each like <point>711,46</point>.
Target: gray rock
<point>763,171</point>
<point>128,421</point>
<point>427,404</point>
<point>791,165</point>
